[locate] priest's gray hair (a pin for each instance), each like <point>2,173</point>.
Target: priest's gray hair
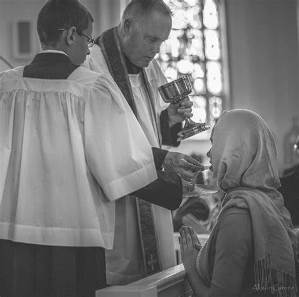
<point>139,8</point>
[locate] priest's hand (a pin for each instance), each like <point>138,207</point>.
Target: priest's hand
<point>182,165</point>
<point>180,111</point>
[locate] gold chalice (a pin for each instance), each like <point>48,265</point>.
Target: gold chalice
<point>174,92</point>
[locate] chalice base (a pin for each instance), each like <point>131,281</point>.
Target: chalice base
<point>192,129</point>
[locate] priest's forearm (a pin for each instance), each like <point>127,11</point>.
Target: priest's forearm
<point>162,192</point>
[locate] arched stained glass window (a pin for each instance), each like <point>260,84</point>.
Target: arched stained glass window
<point>195,47</point>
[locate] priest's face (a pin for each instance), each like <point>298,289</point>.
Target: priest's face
<point>79,49</point>
<point>143,36</point>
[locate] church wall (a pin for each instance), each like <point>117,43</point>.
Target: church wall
<point>106,13</point>
<point>263,48</point>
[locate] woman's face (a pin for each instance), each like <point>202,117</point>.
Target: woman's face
<point>209,153</point>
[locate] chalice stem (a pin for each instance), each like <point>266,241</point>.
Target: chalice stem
<point>189,123</point>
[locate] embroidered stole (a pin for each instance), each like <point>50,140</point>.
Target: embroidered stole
<point>110,46</point>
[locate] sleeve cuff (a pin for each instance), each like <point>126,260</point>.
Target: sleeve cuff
<point>130,183</point>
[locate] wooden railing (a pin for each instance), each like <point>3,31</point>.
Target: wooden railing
<point>168,283</point>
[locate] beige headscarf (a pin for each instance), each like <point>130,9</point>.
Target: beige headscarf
<point>244,160</point>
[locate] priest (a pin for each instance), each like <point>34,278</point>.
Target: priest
<point>126,53</point>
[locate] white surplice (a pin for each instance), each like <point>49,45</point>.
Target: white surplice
<point>68,150</point>
<point>124,262</point>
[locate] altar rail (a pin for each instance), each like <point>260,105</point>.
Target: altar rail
<point>168,283</point>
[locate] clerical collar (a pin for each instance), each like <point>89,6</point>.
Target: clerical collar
<point>53,51</point>
<point>132,69</point>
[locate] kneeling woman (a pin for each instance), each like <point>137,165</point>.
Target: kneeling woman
<point>251,249</point>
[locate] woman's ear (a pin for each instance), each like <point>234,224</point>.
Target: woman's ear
<point>71,35</point>
<point>127,26</point>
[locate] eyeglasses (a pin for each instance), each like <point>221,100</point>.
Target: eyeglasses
<point>90,40</point>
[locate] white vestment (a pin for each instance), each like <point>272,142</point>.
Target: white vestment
<point>68,150</point>
<point>124,263</point>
